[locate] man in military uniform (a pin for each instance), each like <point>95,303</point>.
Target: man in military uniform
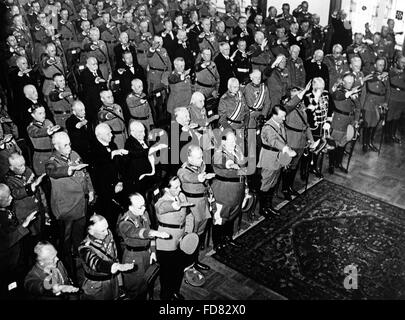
<point>99,258</point>
<point>83,16</point>
<point>207,39</point>
<point>299,136</point>
<point>159,65</point>
<point>83,35</point>
<point>396,100</point>
<point>61,100</point>
<point>241,63</point>
<point>374,101</point>
<point>123,46</point>
<point>207,77</point>
<point>130,27</point>
<point>346,111</point>
<point>242,32</point>
<point>317,33</point>
<point>67,31</point>
<point>232,109</point>
<point>279,43</point>
<point>195,183</point>
<point>171,211</point>
<point>337,65</point>
<point>111,114</point>
<point>274,146</point>
<point>257,99</point>
<point>51,64</point>
<point>109,33</point>
<point>286,18</point>
<point>295,67</point>
<point>97,17</point>
<point>180,86</point>
<point>23,36</point>
<point>260,52</point>
<point>143,43</point>
<point>138,105</point>
<point>184,50</point>
<point>94,47</point>
<point>140,246</point>
<point>73,184</point>
<point>301,12</point>
<point>279,80</point>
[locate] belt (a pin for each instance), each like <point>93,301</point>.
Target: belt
<point>117,132</point>
<point>137,248</point>
<point>264,146</point>
<point>61,112</point>
<point>205,85</point>
<point>244,70</point>
<point>228,179</point>
<point>234,121</point>
<point>294,129</point>
<point>43,150</point>
<point>343,112</point>
<point>376,94</point>
<point>140,118</point>
<point>157,69</point>
<point>141,51</point>
<point>259,64</point>
<point>194,195</point>
<point>172,226</point>
<point>93,277</point>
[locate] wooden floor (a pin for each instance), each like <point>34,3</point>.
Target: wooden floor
<point>381,176</point>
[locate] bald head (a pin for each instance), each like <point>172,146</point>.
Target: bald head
<point>233,85</point>
<point>46,254</point>
<point>137,86</point>
<point>78,109</point>
<point>30,92</point>
<point>61,142</point>
<point>103,133</point>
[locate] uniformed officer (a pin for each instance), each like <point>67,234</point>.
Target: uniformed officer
<point>207,39</point>
<point>228,188</point>
<point>285,18</point>
<point>180,86</point>
<point>51,64</point>
<point>129,26</point>
<point>159,65</point>
<point>111,113</point>
<point>195,183</point>
<point>318,33</point>
<point>374,101</point>
<point>67,31</point>
<point>362,50</point>
<point>140,245</point>
<point>396,100</point>
<point>98,254</point>
<point>346,111</point>
<point>337,65</point>
<point>274,146</point>
<point>39,36</point>
<point>61,100</point>
<point>295,67</point>
<point>232,109</point>
<point>301,12</point>
<point>143,42</point>
<point>257,99</point>
<point>299,136</point>
<point>260,52</point>
<point>138,105</point>
<point>40,132</point>
<point>207,77</point>
<point>279,80</point>
<point>173,218</point>
<point>109,33</point>
<point>94,47</point>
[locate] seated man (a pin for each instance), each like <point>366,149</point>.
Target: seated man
<point>48,278</point>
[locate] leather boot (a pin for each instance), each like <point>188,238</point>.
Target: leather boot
<point>269,207</point>
<point>388,132</point>
<point>366,139</point>
<point>340,151</point>
<point>371,143</point>
<point>332,156</point>
<point>293,192</point>
<point>394,127</point>
<point>285,180</point>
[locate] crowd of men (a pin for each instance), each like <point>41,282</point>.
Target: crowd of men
<point>127,127</point>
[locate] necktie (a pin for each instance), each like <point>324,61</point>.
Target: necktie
<point>95,74</point>
<point>143,144</point>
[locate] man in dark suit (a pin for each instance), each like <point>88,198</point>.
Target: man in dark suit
<point>183,49</point>
<point>92,84</point>
<point>316,68</point>
<point>224,66</point>
<point>123,47</point>
<point>169,38</point>
<point>241,31</point>
<point>80,132</point>
<point>140,169</point>
<point>107,178</point>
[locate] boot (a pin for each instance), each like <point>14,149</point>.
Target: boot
<point>340,151</point>
<point>269,208</point>
<point>332,160</point>
<point>263,204</point>
<point>366,139</point>
<point>388,132</point>
<point>394,127</point>
<point>303,167</point>
<point>314,166</point>
<point>371,144</point>
<point>293,192</point>
<point>285,179</point>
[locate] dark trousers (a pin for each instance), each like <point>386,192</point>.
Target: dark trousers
<point>172,264</point>
<point>223,233</point>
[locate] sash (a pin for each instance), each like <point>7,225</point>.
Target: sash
<point>259,100</point>
<point>278,133</point>
<point>237,111</point>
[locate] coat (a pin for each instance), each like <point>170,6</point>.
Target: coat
<point>225,71</point>
<point>139,109</point>
<point>278,84</point>
<point>80,139</point>
<point>296,71</point>
<point>258,102</point>
<point>180,92</point>
<point>113,116</point>
<point>68,195</point>
<point>61,106</point>
<point>206,79</point>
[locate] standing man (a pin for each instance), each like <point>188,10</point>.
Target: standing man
<point>274,146</point>
<point>98,254</point>
<point>225,67</point>
<point>138,105</point>
<point>207,77</point>
<point>295,67</point>
<point>195,183</point>
<point>279,80</point>
<point>71,190</point>
<point>61,99</point>
<point>171,211</point>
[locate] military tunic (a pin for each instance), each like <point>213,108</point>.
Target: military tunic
<point>180,91</point>
<point>61,106</point>
<point>208,41</point>
<point>207,79</point>
<point>51,66</point>
<point>68,35</point>
<point>143,43</point>
<point>337,68</point>
<point>97,257</point>
<point>260,59</point>
<point>159,66</point>
<point>397,94</point>
<point>233,111</point>
<point>134,230</point>
<point>110,34</point>
<point>113,116</point>
<point>258,102</point>
<point>139,109</point>
<point>196,193</point>
<point>296,71</point>
<point>42,143</point>
<point>100,52</point>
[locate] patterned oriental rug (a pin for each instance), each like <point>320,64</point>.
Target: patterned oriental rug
<point>329,243</point>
